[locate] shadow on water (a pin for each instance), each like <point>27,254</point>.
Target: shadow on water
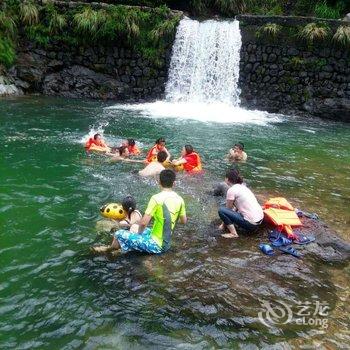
<point>206,292</point>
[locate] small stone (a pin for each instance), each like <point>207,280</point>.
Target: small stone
<point>292,51</point>
<point>272,58</point>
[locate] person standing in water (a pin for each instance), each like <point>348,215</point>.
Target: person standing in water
<point>190,160</point>
<point>159,146</point>
<point>242,208</point>
<point>165,208</point>
<point>237,154</point>
<point>154,168</point>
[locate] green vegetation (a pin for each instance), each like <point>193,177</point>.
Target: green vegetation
<point>342,36</point>
<point>147,30</point>
<point>29,13</point>
<point>228,8</point>
<point>7,52</point>
<point>269,31</point>
<point>323,10</point>
<point>314,32</point>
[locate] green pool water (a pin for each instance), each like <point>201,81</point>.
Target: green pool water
<point>55,294</point>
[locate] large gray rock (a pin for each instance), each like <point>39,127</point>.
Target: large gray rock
<point>330,108</point>
<point>79,81</point>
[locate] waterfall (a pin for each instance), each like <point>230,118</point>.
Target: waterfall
<point>203,77</point>
<point>204,66</point>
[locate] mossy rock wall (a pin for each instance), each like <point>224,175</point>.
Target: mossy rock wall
<point>286,74</point>
<point>116,65</point>
<point>90,72</point>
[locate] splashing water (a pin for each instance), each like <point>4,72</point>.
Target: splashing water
<point>94,129</point>
<point>203,77</point>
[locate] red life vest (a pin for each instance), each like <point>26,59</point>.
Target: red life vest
<point>193,162</point>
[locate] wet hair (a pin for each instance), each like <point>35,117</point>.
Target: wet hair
<point>239,145</point>
<point>167,178</point>
<point>121,149</point>
<point>188,149</point>
<point>129,204</point>
<point>161,139</point>
<point>131,142</point>
<point>96,136</point>
<point>162,156</point>
<point>233,176</point>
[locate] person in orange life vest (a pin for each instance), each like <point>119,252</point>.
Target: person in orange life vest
<point>190,160</point>
<point>96,143</point>
<point>133,149</point>
<point>122,154</point>
<point>159,146</point>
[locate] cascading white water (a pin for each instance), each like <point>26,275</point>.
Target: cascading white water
<point>203,77</point>
<point>205,63</point>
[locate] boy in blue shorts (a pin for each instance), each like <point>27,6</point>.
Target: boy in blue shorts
<point>165,208</point>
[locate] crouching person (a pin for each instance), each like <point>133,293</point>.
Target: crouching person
<point>165,208</point>
<point>242,208</point>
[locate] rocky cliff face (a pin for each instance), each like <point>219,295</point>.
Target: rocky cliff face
<point>95,72</point>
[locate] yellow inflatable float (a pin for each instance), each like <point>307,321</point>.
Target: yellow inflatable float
<point>113,211</point>
<point>169,165</point>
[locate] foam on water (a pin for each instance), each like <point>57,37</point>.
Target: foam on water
<point>203,77</point>
<point>214,112</point>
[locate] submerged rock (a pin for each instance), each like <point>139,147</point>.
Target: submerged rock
<point>328,246</point>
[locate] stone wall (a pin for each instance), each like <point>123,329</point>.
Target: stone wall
<point>89,72</point>
<point>287,75</point>
<point>283,75</point>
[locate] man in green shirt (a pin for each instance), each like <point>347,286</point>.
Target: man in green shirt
<point>166,208</point>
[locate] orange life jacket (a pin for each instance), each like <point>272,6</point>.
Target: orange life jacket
<point>91,141</point>
<point>279,203</point>
<point>152,153</point>
<point>193,162</point>
<point>279,212</point>
<point>134,150</point>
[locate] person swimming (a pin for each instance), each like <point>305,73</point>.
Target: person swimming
<point>159,146</point>
<point>132,147</point>
<point>237,154</point>
<point>122,154</point>
<point>96,143</point>
<point>154,168</point>
<point>190,160</point>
